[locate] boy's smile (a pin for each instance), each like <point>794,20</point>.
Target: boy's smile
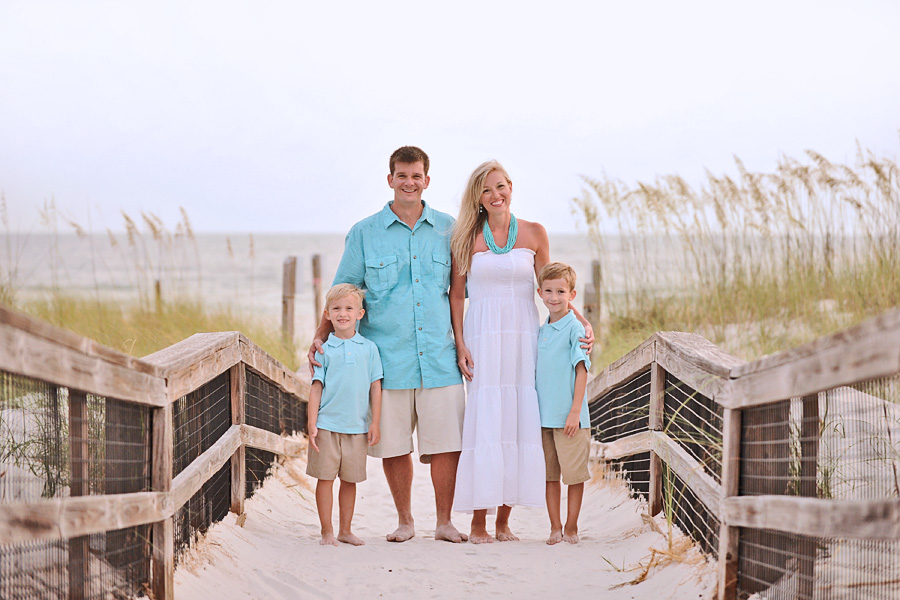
<point>556,296</point>
<point>343,313</point>
<point>408,182</point>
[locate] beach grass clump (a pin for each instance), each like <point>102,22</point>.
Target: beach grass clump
<point>755,262</point>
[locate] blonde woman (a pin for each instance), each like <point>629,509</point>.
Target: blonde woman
<point>498,256</point>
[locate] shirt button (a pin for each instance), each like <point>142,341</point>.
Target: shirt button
<point>420,354</point>
<point>417,281</point>
<point>418,304</point>
<point>414,256</point>
<point>420,329</point>
<point>380,264</point>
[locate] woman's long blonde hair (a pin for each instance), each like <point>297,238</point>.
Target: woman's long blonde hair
<point>471,219</point>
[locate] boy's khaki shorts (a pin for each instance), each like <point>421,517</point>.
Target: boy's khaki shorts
<point>567,456</point>
<point>340,455</point>
<point>435,413</point>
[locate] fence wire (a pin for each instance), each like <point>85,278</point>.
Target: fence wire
<point>695,422</point>
<point>209,505</point>
<point>781,566</point>
<point>682,507</point>
<point>199,419</point>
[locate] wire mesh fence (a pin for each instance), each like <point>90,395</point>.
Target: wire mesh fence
<point>621,412</point>
<point>199,419</point>
<point>683,508</point>
<point>780,566</point>
<point>695,422</point>
<point>209,505</point>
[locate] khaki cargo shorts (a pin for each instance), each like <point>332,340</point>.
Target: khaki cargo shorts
<point>567,456</point>
<point>340,455</point>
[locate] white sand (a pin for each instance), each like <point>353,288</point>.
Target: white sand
<point>276,554</point>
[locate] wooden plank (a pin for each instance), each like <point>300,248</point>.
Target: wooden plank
<point>266,440</point>
<point>79,476</point>
<point>656,423</point>
<point>190,363</point>
<point>272,370</point>
<point>698,351</point>
<point>867,351</point>
<point>78,516</point>
<point>238,379</point>
<point>729,537</point>
<point>162,555</point>
<point>288,294</point>
<point>689,470</point>
<point>695,375</point>
<point>626,446</point>
<point>623,370</point>
<point>191,479</point>
<point>816,517</point>
<point>24,353</point>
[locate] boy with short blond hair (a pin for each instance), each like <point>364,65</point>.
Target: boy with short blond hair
<point>561,379</point>
<point>345,391</point>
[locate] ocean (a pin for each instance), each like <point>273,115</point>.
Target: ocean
<point>240,270</point>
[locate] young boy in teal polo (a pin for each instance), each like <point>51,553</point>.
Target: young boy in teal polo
<point>345,391</point>
<point>561,379</point>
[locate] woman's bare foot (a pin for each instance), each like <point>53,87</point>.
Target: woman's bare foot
<point>449,533</point>
<point>556,537</point>
<point>404,532</point>
<point>349,538</point>
<point>479,535</point>
<point>571,535</point>
<point>505,535</point>
<point>328,540</point>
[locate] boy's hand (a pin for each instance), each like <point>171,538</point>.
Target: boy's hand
<point>571,427</point>
<point>587,342</point>
<point>374,434</point>
<point>316,346</point>
<point>465,362</point>
<point>313,432</point>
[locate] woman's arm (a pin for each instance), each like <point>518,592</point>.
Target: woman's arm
<point>457,308</point>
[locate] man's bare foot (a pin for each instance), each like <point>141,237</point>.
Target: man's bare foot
<point>479,535</point>
<point>328,540</point>
<point>402,533</point>
<point>571,536</point>
<point>556,537</point>
<point>349,538</point>
<point>505,535</point>
<point>449,533</point>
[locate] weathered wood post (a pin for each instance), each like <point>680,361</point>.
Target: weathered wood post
<point>657,415</point>
<point>79,477</point>
<point>809,457</point>
<point>729,537</point>
<point>317,289</point>
<point>592,301</point>
<point>163,554</point>
<point>238,377</point>
<point>288,291</point>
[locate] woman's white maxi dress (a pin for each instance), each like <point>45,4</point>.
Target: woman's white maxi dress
<point>502,460</point>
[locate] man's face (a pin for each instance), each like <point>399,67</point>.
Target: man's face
<point>408,182</point>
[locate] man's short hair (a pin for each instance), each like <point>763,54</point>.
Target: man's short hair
<point>409,155</point>
<point>557,270</point>
<point>344,289</point>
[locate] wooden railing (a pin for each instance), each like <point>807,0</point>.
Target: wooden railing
<point>870,351</point>
<point>33,349</point>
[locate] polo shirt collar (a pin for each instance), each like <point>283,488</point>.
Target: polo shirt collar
<point>336,342</point>
<point>562,322</point>
<point>388,216</point>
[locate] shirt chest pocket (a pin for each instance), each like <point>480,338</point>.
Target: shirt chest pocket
<point>441,270</point>
<point>382,273</point>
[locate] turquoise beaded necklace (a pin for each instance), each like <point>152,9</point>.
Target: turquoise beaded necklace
<point>510,237</point>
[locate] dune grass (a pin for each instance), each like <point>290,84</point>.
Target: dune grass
<point>756,263</point>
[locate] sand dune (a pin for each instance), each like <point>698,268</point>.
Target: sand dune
<point>276,554</point>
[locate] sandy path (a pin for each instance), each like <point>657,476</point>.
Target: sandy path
<point>276,553</point>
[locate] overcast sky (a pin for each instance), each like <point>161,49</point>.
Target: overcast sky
<point>280,116</point>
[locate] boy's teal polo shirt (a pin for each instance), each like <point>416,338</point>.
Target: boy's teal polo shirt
<point>559,352</point>
<point>348,369</point>
<point>406,275</point>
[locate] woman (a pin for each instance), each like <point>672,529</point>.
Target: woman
<point>502,461</point>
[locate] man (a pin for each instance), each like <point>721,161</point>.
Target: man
<point>401,257</point>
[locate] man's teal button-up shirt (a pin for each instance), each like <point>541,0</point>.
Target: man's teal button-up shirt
<point>406,275</point>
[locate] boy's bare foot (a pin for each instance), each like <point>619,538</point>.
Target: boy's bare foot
<point>328,540</point>
<point>571,536</point>
<point>402,533</point>
<point>349,538</point>
<point>556,536</point>
<point>505,535</point>
<point>479,535</point>
<point>449,533</point>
